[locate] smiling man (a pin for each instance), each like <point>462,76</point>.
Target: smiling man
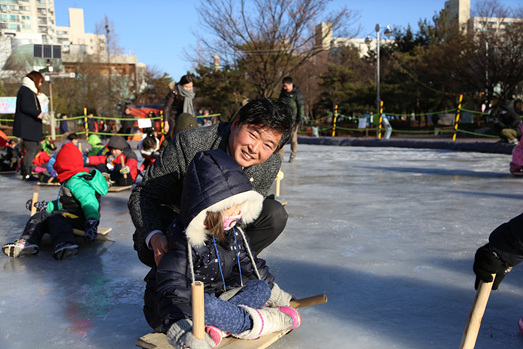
<point>253,139</point>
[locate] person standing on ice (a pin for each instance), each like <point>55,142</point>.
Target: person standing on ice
<point>253,139</point>
<point>293,97</point>
<point>207,243</point>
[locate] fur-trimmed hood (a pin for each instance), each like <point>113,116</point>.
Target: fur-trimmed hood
<point>213,182</point>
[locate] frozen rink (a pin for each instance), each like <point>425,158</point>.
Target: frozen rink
<point>389,234</point>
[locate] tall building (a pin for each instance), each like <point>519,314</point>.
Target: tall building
<point>75,35</point>
<point>31,17</point>
<point>459,10</point>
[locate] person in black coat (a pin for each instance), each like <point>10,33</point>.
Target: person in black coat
<point>29,116</point>
<point>127,122</point>
<point>207,244</point>
<point>507,123</point>
<point>179,100</point>
<point>504,251</point>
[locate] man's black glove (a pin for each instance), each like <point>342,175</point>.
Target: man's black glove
<point>486,263</point>
<point>40,205</point>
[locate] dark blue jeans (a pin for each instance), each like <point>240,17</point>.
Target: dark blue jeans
<point>228,316</point>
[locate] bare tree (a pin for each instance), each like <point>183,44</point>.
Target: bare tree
<point>497,67</point>
<point>269,39</point>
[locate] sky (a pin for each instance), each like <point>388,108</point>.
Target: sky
<point>160,32</point>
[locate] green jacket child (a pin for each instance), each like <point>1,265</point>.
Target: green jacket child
<point>77,206</point>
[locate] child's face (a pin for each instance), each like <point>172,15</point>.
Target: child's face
<point>115,152</point>
<point>231,211</point>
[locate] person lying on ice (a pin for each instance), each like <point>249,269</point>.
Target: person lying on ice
<point>77,206</point>
<point>207,243</point>
<point>121,166</point>
<point>253,139</point>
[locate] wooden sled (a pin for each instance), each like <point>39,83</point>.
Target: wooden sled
<point>7,172</point>
<point>102,234</point>
<point>159,340</point>
<point>115,189</point>
<point>49,184</point>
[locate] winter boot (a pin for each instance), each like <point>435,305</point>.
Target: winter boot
<point>269,320</point>
<point>19,247</point>
<point>65,250</point>
<point>27,175</point>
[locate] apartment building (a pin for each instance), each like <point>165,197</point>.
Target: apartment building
<point>29,17</point>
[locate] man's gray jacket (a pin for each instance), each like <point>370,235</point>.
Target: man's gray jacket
<point>155,201</point>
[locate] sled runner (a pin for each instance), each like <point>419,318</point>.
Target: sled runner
<point>49,184</point>
<point>102,233</point>
<point>114,189</point>
<point>159,340</point>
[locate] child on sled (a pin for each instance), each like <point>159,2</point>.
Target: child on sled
<point>77,206</point>
<point>207,243</point>
<point>516,165</point>
<point>120,166</point>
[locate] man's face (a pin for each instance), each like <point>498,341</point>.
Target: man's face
<point>288,87</point>
<point>250,145</point>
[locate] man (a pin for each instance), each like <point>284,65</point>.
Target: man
<point>253,139</point>
<point>293,97</point>
<point>506,123</point>
<point>127,124</point>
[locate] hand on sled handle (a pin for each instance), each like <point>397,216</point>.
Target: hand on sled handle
<point>279,297</point>
<point>180,336</point>
<point>125,170</point>
<point>39,205</point>
<point>159,245</point>
<point>91,229</point>
<point>486,263</point>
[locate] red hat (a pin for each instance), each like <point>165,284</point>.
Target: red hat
<point>3,138</point>
<point>69,161</point>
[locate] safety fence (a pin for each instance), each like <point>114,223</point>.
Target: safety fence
<point>81,123</point>
<point>328,125</point>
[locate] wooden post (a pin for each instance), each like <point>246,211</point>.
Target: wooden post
<point>198,310</point>
<point>476,314</point>
<point>380,119</point>
<point>457,118</point>
<point>85,124</point>
<point>279,177</point>
<point>123,165</point>
<point>335,118</point>
<point>35,199</point>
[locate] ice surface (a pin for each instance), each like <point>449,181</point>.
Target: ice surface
<point>388,234</point>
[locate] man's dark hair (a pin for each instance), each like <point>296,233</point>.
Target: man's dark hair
<point>72,136</point>
<point>271,113</point>
<point>287,80</point>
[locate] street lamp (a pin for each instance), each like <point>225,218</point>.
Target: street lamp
<point>368,40</point>
<point>49,69</point>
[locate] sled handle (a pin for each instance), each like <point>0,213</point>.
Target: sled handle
<point>35,199</point>
<point>476,314</point>
<point>122,165</point>
<point>198,310</point>
<point>305,302</point>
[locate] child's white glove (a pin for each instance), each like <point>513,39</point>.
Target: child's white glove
<point>180,336</point>
<point>278,297</point>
